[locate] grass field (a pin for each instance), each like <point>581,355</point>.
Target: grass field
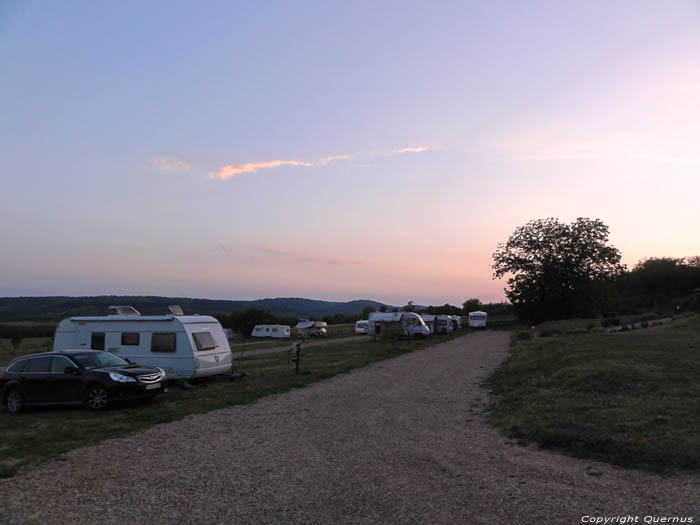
<point>38,434</point>
<point>632,399</point>
<point>335,331</point>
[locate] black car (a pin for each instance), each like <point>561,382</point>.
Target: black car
<point>92,377</point>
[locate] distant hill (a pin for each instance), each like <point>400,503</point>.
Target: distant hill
<point>55,308</point>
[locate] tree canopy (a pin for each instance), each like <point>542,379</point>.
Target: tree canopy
<point>558,270</point>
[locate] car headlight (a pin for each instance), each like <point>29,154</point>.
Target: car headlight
<point>162,372</point>
<point>119,378</point>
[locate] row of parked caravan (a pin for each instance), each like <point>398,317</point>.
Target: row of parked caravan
<point>411,324</point>
<point>304,328</point>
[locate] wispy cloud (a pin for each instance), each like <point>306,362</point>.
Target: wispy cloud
<point>327,160</point>
<point>231,170</point>
<point>260,254</point>
<point>413,149</point>
<point>170,165</point>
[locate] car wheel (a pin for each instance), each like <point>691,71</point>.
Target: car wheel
<point>14,401</point>
<point>96,397</point>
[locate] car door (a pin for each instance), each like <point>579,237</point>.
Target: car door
<point>35,379</point>
<point>64,387</point>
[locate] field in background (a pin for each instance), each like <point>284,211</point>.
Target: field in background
<point>39,434</point>
<point>630,398</point>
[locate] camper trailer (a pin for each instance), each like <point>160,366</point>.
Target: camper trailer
<point>362,327</point>
<point>477,319</point>
<point>278,331</point>
<point>443,324</point>
<point>307,328</point>
<point>185,346</point>
<point>456,322</point>
<point>429,320</point>
<point>397,324</point>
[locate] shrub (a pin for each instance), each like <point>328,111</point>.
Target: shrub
<point>523,334</point>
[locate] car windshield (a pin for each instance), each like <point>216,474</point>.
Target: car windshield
<point>98,360</point>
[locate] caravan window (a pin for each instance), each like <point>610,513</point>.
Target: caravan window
<point>130,339</point>
<point>163,342</point>
<point>204,341</point>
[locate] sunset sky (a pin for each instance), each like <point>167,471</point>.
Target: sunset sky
<point>336,150</point>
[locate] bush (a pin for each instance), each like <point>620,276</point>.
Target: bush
<point>523,334</point>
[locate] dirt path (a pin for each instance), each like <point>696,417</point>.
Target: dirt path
<point>236,352</point>
<point>401,441</point>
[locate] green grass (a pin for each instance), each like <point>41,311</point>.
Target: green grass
<point>632,399</point>
<point>39,434</point>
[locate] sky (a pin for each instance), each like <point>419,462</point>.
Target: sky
<point>336,150</point>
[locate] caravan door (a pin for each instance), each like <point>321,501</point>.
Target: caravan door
<point>97,340</point>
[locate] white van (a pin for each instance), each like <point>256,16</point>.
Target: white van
<point>477,319</point>
<point>277,331</point>
<point>362,327</point>
<point>396,324</point>
<point>185,346</point>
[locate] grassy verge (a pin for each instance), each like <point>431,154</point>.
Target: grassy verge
<point>632,399</point>
<point>39,434</point>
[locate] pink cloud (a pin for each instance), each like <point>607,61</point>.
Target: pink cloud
<point>231,170</point>
<point>413,149</point>
<point>169,165</point>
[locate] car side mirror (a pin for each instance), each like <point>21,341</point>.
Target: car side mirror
<point>70,370</point>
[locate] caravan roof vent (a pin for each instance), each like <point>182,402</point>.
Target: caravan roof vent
<point>175,309</point>
<point>123,310</point>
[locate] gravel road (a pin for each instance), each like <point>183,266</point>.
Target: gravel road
<point>401,441</point>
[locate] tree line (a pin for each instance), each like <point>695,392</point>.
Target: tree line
<point>559,271</point>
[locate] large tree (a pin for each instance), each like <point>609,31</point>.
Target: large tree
<point>557,270</point>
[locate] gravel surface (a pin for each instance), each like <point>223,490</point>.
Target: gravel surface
<point>401,441</point>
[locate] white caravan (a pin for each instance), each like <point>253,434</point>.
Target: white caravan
<point>278,331</point>
<point>456,322</point>
<point>429,320</point>
<point>397,324</point>
<point>362,327</point>
<point>185,346</point>
<point>477,319</point>
<point>443,324</point>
